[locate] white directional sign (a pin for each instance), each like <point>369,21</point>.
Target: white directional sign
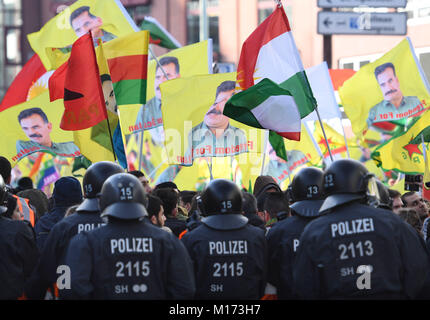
<point>358,3</point>
<point>362,23</point>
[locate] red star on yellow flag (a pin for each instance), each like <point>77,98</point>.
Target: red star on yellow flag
<point>412,148</point>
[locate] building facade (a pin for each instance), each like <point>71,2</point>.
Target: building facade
<point>230,23</point>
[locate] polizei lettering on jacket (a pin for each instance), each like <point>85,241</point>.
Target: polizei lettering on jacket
<point>126,245</point>
<point>352,227</point>
<point>88,226</point>
<point>228,247</point>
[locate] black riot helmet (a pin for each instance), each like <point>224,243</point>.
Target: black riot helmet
<point>123,197</point>
<point>3,195</point>
<point>385,201</point>
<point>94,178</point>
<point>307,191</point>
<point>221,203</point>
<point>347,180</point>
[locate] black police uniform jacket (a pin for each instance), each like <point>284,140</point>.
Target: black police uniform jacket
<point>334,246</point>
<point>129,260</point>
<point>18,257</point>
<point>283,242</point>
<point>54,251</point>
<point>229,263</point>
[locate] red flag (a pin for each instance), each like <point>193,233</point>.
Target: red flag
<point>56,83</point>
<point>18,90</point>
<point>84,103</point>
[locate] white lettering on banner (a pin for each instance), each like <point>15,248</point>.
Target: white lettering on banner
<point>127,245</point>
<point>228,247</point>
<point>352,227</point>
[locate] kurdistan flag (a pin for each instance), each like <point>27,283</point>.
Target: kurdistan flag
<point>127,58</point>
<point>276,92</point>
<point>404,152</point>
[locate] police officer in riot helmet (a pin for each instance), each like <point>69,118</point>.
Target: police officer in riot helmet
<point>307,194</point>
<point>354,250</point>
<point>384,201</point>
<point>128,258</point>
<point>87,217</point>
<point>19,253</point>
<point>228,253</point>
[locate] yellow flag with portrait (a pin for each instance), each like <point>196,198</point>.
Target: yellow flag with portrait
<point>390,89</point>
<point>194,123</point>
<point>34,126</point>
<point>107,18</point>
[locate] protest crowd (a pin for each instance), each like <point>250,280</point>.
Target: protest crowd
<point>107,192</point>
<point>120,240</point>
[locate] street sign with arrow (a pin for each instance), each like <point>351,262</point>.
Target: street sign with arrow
<point>330,22</point>
<point>358,3</point>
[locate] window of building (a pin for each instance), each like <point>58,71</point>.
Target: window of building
<point>418,11</point>
<point>266,7</point>
<point>138,13</point>
<point>355,63</point>
<point>10,42</point>
<point>193,22</point>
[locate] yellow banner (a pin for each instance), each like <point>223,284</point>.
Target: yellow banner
<point>404,153</point>
<point>388,89</point>
<point>106,18</point>
<point>34,126</point>
<point>194,124</point>
<point>183,62</point>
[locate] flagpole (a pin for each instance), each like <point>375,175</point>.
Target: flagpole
<point>210,168</point>
<point>344,137</point>
<point>266,138</point>
<point>101,94</point>
<point>140,150</point>
<point>165,74</point>
<point>317,148</point>
<point>325,137</point>
<point>425,163</point>
<point>279,3</point>
<point>158,62</point>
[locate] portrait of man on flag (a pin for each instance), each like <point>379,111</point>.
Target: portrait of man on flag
<point>395,105</point>
<point>215,130</point>
<point>37,128</point>
<point>82,21</point>
<point>200,129</point>
<point>149,115</point>
<point>386,94</point>
<point>106,19</point>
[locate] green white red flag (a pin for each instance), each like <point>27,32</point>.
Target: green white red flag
<point>158,34</point>
<point>274,92</point>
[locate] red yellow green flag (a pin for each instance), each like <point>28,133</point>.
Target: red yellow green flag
<point>127,58</point>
